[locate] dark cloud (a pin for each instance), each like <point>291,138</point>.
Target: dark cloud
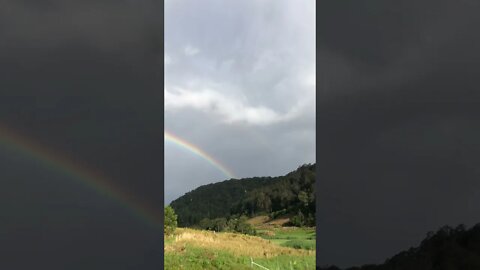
<point>82,79</point>
<point>397,115</point>
<point>105,25</point>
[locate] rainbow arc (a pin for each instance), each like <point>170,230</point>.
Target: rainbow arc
<point>91,178</point>
<point>170,137</point>
<point>95,179</point>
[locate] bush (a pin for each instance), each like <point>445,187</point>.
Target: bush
<point>170,221</point>
<point>300,244</point>
<point>298,220</point>
<point>219,224</point>
<point>276,214</point>
<point>242,226</point>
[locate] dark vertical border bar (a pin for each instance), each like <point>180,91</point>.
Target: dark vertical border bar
<point>318,155</point>
<point>162,86</point>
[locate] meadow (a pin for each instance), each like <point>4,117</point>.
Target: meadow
<point>276,232</point>
<point>198,249</point>
<point>298,238</point>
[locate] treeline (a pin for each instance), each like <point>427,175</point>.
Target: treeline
<point>233,224</point>
<point>448,248</point>
<point>292,195</point>
<point>213,200</point>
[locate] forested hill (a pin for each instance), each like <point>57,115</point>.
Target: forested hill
<point>448,248</point>
<point>292,194</point>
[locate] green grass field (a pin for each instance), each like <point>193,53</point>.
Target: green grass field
<point>196,249</point>
<point>299,238</point>
<point>200,258</point>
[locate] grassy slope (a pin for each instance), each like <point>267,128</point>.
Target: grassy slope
<point>195,249</point>
<point>300,238</point>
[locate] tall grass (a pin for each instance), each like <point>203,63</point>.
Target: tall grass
<point>196,249</point>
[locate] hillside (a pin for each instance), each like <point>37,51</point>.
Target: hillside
<point>292,194</point>
<point>448,248</point>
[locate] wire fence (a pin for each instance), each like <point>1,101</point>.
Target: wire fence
<point>252,263</point>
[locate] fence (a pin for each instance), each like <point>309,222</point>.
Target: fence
<point>252,263</point>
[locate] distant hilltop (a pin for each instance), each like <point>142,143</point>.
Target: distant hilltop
<point>291,195</point>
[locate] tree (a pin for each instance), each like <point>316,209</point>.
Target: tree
<point>170,221</point>
<point>205,224</point>
<point>303,198</point>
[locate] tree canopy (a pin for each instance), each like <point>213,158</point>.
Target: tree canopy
<point>448,248</point>
<point>292,194</point>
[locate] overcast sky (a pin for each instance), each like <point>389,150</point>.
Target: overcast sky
<point>240,85</point>
<point>398,124</point>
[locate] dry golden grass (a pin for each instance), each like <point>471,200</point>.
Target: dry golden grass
<point>265,223</point>
<point>237,244</point>
<point>279,221</point>
<point>258,220</point>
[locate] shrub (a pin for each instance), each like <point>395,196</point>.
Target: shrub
<point>298,220</point>
<point>170,221</point>
<point>300,244</point>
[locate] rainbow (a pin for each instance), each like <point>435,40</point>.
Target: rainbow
<point>169,137</point>
<point>91,178</point>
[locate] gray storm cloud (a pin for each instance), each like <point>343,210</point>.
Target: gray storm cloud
<point>397,111</point>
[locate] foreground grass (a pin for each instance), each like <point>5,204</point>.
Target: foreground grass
<point>195,249</point>
<point>198,258</point>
